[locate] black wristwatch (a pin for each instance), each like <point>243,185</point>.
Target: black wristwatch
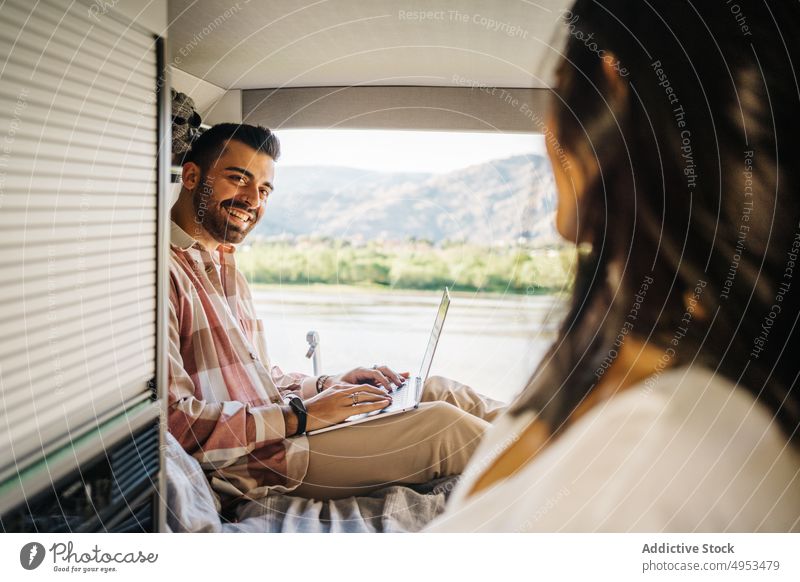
<point>299,408</point>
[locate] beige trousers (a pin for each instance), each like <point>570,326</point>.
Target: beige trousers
<point>435,440</point>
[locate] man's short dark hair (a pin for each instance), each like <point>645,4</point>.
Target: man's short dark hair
<point>209,146</point>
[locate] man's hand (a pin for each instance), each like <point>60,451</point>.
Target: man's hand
<point>377,376</point>
<point>341,401</point>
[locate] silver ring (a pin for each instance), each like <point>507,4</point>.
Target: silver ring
<point>374,366</point>
<point>354,396</point>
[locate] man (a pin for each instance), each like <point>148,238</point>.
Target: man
<point>232,410</point>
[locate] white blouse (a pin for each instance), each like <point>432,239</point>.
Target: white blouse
<point>683,451</point>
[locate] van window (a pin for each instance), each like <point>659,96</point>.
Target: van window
<point>366,227</point>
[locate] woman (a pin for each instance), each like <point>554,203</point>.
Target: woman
<point>670,399</point>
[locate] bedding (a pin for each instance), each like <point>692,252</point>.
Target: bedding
<point>192,506</point>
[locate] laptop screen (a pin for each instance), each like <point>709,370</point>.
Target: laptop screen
<point>427,360</point>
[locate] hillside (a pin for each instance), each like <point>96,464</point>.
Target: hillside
<point>492,203</point>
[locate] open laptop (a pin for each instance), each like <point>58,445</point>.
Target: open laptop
<point>408,395</point>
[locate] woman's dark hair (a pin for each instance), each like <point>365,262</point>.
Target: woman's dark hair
<point>693,217</point>
<point>210,144</point>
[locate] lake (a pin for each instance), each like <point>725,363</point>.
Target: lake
<point>490,341</point>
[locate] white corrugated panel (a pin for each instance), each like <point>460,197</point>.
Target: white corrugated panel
<point>78,192</point>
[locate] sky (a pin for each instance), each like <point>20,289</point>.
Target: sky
<point>400,151</point>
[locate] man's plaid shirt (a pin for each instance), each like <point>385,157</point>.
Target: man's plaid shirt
<point>224,395</point>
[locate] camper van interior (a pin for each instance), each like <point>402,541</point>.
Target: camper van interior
<point>417,153</point>
<point>92,125</point>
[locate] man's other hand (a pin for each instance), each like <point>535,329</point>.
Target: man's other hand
<point>377,375</point>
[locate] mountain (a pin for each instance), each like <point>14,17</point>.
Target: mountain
<point>490,203</point>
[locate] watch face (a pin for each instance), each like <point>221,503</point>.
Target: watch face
<point>297,403</point>
<point>299,408</point>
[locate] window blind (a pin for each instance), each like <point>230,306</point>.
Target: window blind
<point>78,223</point>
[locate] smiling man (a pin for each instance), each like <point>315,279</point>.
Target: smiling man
<point>240,416</point>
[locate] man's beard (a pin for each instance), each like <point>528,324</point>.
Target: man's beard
<point>214,219</point>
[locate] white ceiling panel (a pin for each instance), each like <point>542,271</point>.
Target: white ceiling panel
<point>323,43</point>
